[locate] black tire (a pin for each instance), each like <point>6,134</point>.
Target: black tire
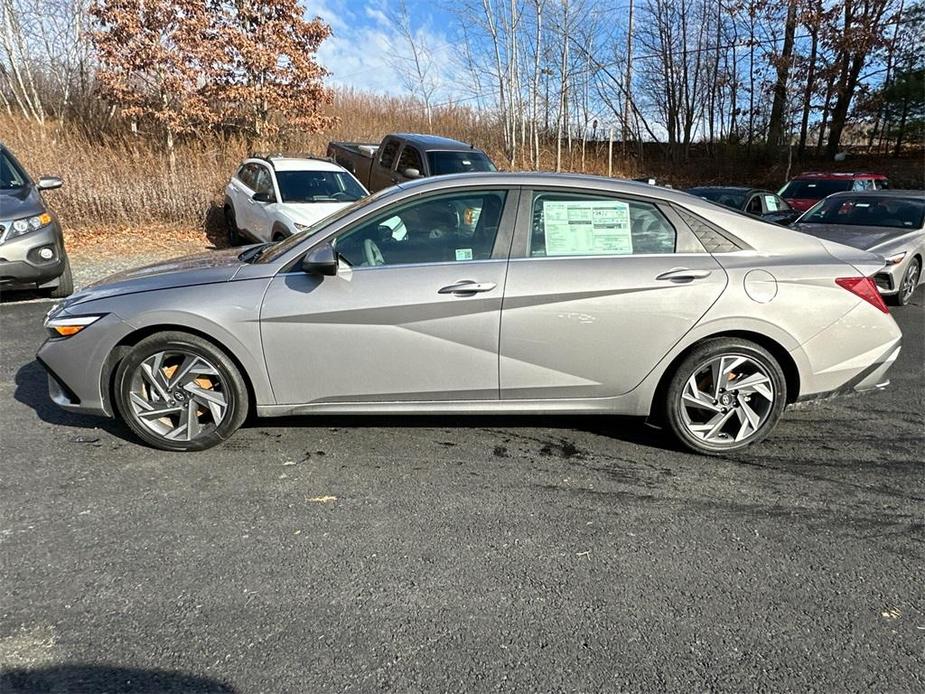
<point>231,224</point>
<point>279,235</point>
<point>233,389</point>
<point>65,283</point>
<point>693,363</point>
<point>904,296</point>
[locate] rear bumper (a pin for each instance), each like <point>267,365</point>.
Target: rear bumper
<point>874,377</point>
<point>21,264</point>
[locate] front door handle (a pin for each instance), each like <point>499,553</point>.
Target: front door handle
<point>683,274</point>
<point>464,287</point>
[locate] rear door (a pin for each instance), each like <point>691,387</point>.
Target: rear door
<point>598,289</point>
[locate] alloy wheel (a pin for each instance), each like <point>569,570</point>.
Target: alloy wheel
<point>727,399</point>
<point>909,282</point>
<point>178,395</point>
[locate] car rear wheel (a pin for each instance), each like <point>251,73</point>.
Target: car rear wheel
<point>231,224</point>
<point>65,282</point>
<point>179,392</point>
<point>908,283</point>
<point>728,393</point>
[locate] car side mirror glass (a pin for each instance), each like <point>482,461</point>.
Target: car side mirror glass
<point>263,197</point>
<point>321,260</point>
<point>411,173</point>
<point>49,183</point>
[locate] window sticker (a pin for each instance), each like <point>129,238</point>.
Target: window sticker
<point>463,254</point>
<point>587,227</point>
<point>771,203</point>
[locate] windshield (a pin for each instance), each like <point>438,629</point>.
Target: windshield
<point>730,198</point>
<point>276,250</point>
<point>318,186</point>
<point>814,190</point>
<point>458,162</point>
<point>896,213</point>
<point>11,176</point>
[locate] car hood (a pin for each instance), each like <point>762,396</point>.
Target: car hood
<point>864,238</point>
<point>202,268</point>
<point>20,202</point>
<point>308,213</point>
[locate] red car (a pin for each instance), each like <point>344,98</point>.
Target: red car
<point>807,189</point>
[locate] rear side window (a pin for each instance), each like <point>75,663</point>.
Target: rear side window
<point>246,175</point>
<point>567,224</point>
<point>387,156</point>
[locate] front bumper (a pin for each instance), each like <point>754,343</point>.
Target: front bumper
<point>80,366</point>
<point>20,263</point>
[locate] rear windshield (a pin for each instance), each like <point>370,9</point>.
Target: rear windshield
<point>730,198</point>
<point>318,186</point>
<point>11,176</point>
<point>458,162</point>
<point>814,190</point>
<point>897,213</point>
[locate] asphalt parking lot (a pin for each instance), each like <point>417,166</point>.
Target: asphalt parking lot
<point>462,554</point>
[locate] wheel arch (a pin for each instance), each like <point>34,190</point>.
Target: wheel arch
<point>122,348</point>
<point>783,357</point>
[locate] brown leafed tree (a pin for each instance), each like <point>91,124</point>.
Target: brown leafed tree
<point>267,78</point>
<point>154,63</point>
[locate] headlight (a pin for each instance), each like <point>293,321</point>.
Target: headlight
<point>65,326</point>
<point>24,226</point>
<point>894,259</point>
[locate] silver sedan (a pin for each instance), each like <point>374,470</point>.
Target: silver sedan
<point>890,223</point>
<point>485,293</point>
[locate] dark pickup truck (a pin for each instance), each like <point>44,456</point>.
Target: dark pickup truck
<point>403,157</point>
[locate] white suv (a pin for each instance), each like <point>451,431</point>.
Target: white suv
<point>271,197</point>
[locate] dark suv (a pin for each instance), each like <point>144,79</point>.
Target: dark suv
<point>32,251</point>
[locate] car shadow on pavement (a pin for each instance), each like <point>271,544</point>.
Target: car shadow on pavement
<point>633,430</point>
<point>106,678</point>
<point>32,390</point>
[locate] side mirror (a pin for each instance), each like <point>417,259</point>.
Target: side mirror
<point>411,173</point>
<point>49,183</point>
<point>263,197</point>
<point>321,260</point>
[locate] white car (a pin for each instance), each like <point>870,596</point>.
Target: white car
<point>272,197</point>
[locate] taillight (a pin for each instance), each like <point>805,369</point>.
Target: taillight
<point>865,288</point>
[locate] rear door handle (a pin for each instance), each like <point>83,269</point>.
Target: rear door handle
<point>467,287</point>
<point>683,274</point>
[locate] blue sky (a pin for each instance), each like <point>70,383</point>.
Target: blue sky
<point>363,37</point>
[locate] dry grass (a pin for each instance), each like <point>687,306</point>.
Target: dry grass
<point>121,185</point>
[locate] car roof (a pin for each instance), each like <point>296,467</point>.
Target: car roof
<point>435,142</point>
<point>283,162</point>
<point>728,189</point>
<point>893,193</point>
<point>838,176</point>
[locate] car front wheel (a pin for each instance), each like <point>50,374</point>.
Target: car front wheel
<point>728,393</point>
<point>908,284</point>
<point>179,392</point>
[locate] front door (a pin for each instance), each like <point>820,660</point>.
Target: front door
<point>413,313</point>
<point>599,289</point>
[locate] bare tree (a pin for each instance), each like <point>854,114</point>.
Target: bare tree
<point>413,60</point>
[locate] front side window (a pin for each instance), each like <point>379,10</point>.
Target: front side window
<point>262,181</point>
<point>566,224</point>
<point>446,228</point>
<point>11,176</point>
<point>442,163</point>
<point>410,159</point>
<point>318,186</point>
<point>754,205</point>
